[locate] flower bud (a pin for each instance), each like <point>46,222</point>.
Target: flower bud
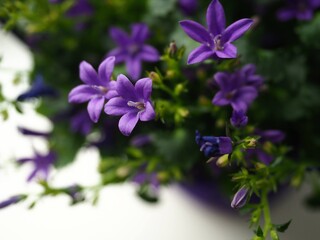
<point>155,77</point>
<point>12,200</point>
<point>223,160</point>
<point>172,49</point>
<point>240,198</point>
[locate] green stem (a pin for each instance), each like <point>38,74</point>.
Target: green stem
<point>266,213</point>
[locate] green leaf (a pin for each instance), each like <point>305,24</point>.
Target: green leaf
<point>161,8</point>
<point>282,227</point>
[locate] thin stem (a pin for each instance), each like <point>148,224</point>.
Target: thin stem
<point>266,213</point>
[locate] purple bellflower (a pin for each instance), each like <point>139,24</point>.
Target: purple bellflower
<point>273,136</point>
<point>214,147</point>
<point>217,39</point>
<point>38,89</point>
<point>234,91</point>
<point>133,103</point>
<point>81,123</point>
<point>240,198</point>
<point>299,9</point>
<point>12,200</point>
<point>42,165</point>
<point>239,119</point>
<point>132,50</point>
<point>97,87</point>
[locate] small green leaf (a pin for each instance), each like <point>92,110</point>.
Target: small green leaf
<point>259,232</point>
<point>282,227</point>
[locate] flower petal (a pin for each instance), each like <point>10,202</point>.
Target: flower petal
<point>95,107</point>
<point>143,88</point>
<point>149,113</point>
<point>215,18</point>
<point>82,93</point>
<point>105,70</point>
<point>220,100</point>
<point>134,67</point>
<point>236,30</point>
<point>140,32</point>
<point>87,74</point>
<point>223,80</point>
<point>229,51</point>
<point>200,54</point>
<point>196,31</point>
<point>128,122</point>
<point>119,36</point>
<point>125,88</point>
<point>117,107</point>
<point>246,94</point>
<point>120,54</point>
<point>149,53</point>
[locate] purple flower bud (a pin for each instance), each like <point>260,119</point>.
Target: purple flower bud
<point>239,119</point>
<point>240,198</point>
<point>141,140</point>
<point>12,200</point>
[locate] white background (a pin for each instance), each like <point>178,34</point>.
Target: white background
<point>120,214</point>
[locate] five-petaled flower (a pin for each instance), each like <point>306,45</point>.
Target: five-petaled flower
<point>97,87</point>
<point>133,103</point>
<point>217,39</point>
<point>214,147</point>
<point>237,89</point>
<point>132,50</point>
<point>42,164</point>
<point>299,9</point>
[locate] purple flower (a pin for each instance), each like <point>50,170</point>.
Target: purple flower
<point>97,87</point>
<point>299,9</point>
<point>132,50</point>
<point>239,119</point>
<point>12,200</point>
<point>248,73</point>
<point>133,103</point>
<point>234,91</point>
<point>214,146</point>
<point>240,198</point>
<point>42,165</point>
<point>188,7</point>
<point>217,39</point>
<point>38,89</point>
<point>80,8</point>
<point>81,123</point>
<point>273,136</point>
<point>141,140</point>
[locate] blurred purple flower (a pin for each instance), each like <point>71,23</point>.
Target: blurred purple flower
<point>42,165</point>
<point>133,103</point>
<point>188,7</point>
<point>80,8</point>
<point>217,39</point>
<point>97,87</point>
<point>12,200</point>
<point>299,9</point>
<point>239,119</point>
<point>38,89</point>
<point>141,140</point>
<point>81,123</point>
<point>214,146</point>
<point>150,178</point>
<point>29,132</point>
<point>240,198</point>
<point>132,50</point>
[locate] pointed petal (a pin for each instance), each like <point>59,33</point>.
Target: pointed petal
<point>223,80</point>
<point>95,107</point>
<point>87,74</point>
<point>82,93</point>
<point>229,51</point>
<point>134,67</point>
<point>305,15</point>
<point>149,113</point>
<point>220,100</point>
<point>143,88</point>
<point>119,36</point>
<point>196,31</point>
<point>246,94</point>
<point>236,30</point>
<point>105,70</point>
<point>215,18</point>
<point>32,175</point>
<point>119,53</point>
<point>125,88</point>
<point>149,53</point>
<point>140,32</point>
<point>117,107</point>
<point>128,122</point>
<point>200,54</point>
<point>286,14</point>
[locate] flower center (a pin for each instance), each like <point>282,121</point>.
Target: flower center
<point>100,88</point>
<point>133,48</point>
<point>138,105</point>
<point>217,43</point>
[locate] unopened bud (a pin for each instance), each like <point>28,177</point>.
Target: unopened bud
<point>223,160</point>
<point>155,77</point>
<point>172,49</point>
<point>240,198</point>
